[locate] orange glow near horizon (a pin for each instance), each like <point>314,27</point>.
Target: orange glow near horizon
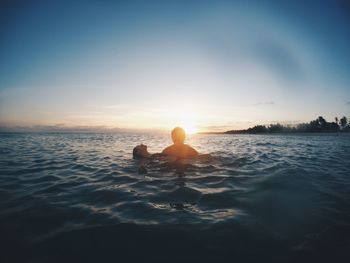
<point>186,119</point>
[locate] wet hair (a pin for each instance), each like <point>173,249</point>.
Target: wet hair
<point>140,151</point>
<point>178,135</point>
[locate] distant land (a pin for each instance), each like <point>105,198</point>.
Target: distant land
<point>314,126</point>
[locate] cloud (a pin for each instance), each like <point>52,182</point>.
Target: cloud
<point>264,103</point>
<point>228,126</point>
<point>348,103</point>
<point>215,128</point>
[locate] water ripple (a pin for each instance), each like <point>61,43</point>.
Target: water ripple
<point>67,182</point>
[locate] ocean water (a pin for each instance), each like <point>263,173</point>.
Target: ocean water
<point>81,198</point>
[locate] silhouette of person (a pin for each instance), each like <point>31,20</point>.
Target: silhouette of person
<point>175,153</point>
<point>179,149</point>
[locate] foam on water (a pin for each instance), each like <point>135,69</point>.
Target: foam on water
<point>287,189</point>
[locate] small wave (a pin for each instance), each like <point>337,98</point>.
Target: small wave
<point>254,187</point>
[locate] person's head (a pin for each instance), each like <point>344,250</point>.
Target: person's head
<point>178,135</point>
<point>140,151</point>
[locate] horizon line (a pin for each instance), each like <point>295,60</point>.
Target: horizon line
<point>61,127</point>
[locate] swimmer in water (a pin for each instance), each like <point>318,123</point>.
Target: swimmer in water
<point>179,150</point>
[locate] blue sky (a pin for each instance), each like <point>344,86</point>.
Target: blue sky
<point>156,64</point>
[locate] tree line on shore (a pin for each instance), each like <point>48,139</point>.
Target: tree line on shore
<point>318,125</point>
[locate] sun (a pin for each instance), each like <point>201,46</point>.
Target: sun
<point>185,118</point>
<point>189,128</point>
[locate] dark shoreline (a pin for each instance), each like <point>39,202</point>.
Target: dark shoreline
<point>317,126</point>
<point>276,133</point>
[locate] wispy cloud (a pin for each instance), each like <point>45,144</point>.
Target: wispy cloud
<point>226,127</point>
<point>215,128</point>
<point>264,103</point>
<point>348,103</point>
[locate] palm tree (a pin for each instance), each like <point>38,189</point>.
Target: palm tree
<point>343,122</point>
<point>322,122</point>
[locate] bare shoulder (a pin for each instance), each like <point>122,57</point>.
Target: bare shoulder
<point>167,149</point>
<point>191,150</point>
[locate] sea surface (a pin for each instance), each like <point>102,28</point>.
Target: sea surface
<point>83,198</point>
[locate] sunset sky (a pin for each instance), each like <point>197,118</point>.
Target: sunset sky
<point>206,65</point>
